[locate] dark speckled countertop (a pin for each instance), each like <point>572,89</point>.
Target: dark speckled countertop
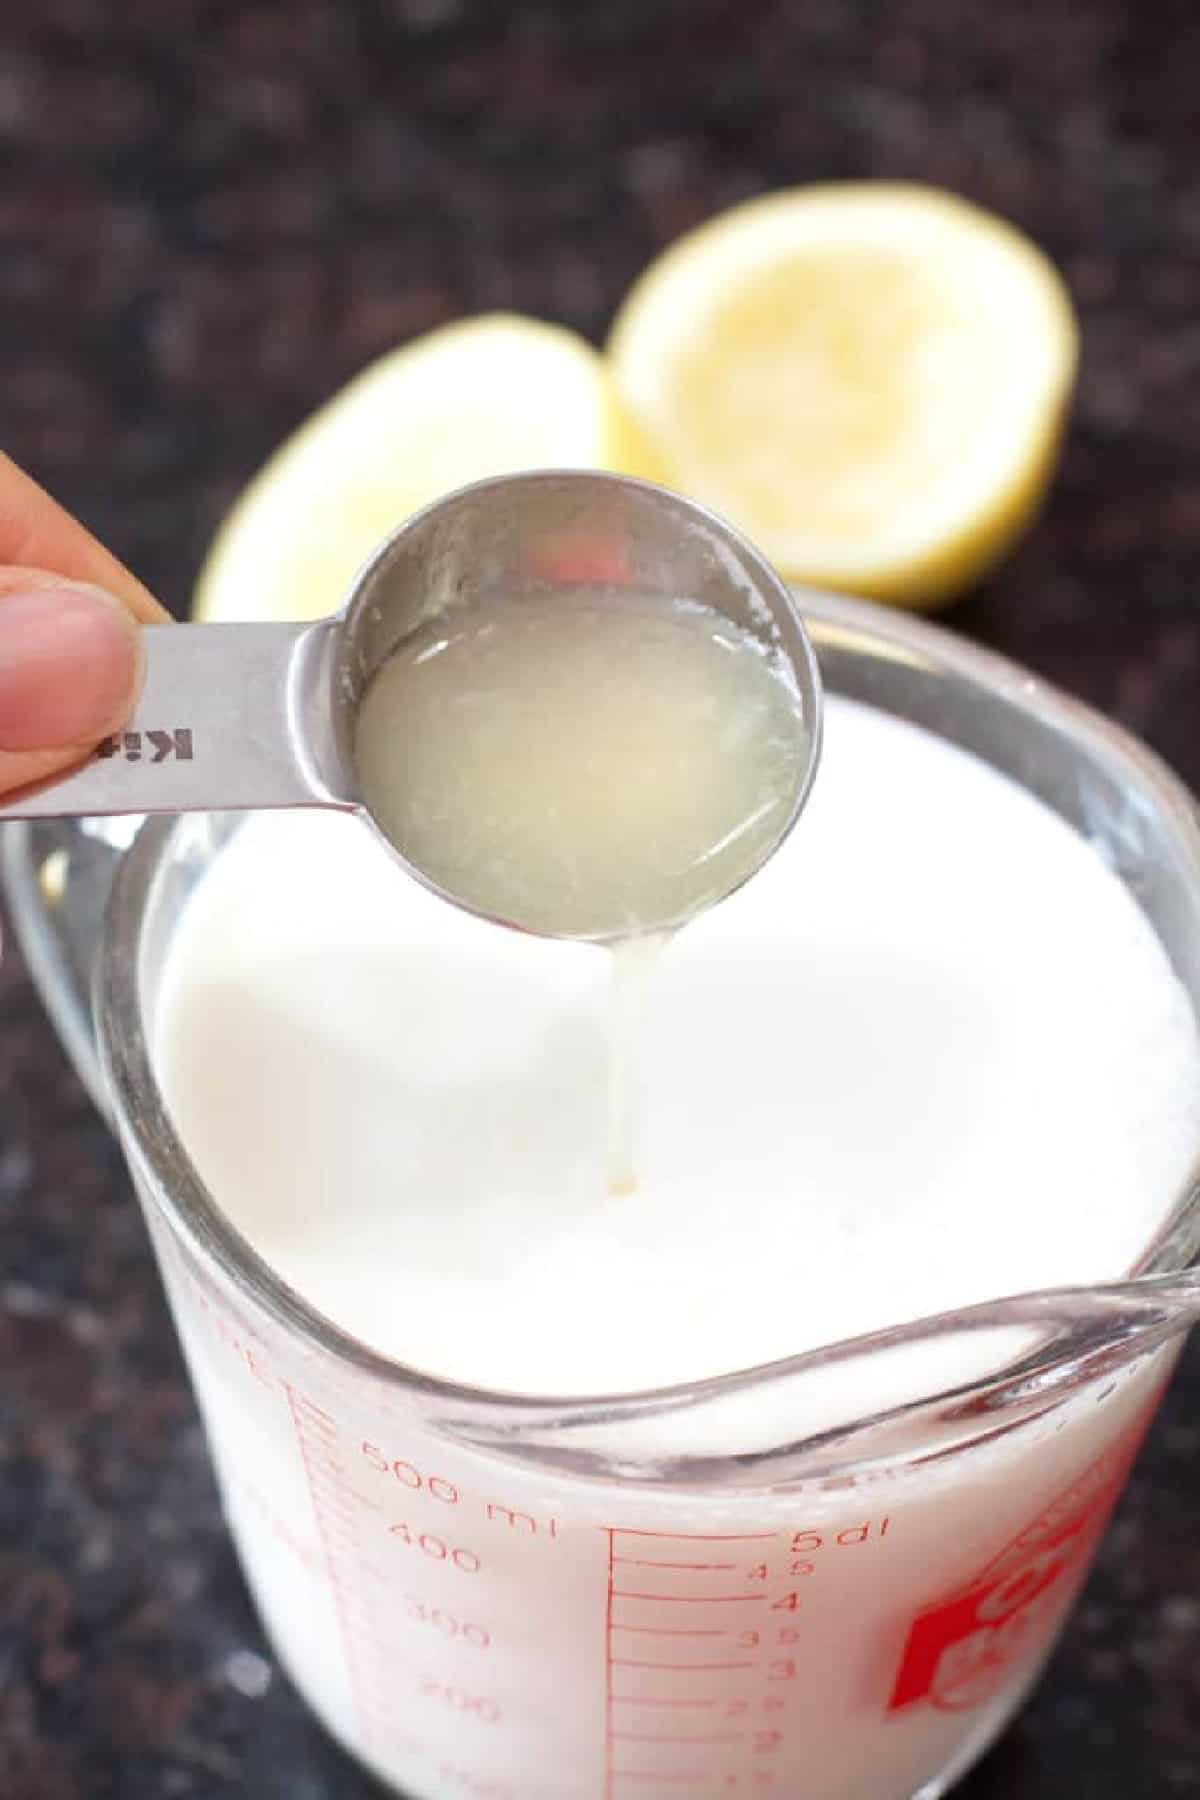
<point>210,214</point>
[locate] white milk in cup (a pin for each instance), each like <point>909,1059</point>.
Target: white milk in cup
<point>551,1487</point>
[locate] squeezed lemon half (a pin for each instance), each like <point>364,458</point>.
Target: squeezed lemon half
<point>869,378</point>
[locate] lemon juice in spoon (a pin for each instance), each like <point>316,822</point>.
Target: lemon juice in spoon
<point>593,765</point>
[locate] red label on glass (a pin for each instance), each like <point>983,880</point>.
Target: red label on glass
<point>961,1650</point>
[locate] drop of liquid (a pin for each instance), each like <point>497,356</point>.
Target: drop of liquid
<point>634,961</point>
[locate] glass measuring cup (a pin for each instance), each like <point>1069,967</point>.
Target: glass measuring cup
<point>756,1584</point>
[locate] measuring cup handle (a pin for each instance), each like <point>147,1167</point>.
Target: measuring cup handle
<point>230,717</point>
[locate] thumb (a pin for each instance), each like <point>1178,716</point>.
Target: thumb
<point>70,672</point>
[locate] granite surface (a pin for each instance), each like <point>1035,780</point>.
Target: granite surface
<point>210,214</point>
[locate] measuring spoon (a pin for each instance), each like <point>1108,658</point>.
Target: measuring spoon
<point>240,717</point>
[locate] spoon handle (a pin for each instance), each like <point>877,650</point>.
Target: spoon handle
<point>231,717</point>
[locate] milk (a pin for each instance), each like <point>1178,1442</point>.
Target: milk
<point>930,1055</point>
<point>935,1012</point>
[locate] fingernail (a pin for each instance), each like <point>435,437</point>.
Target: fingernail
<point>70,666</point>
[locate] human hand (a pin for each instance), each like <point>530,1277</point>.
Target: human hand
<point>70,644</point>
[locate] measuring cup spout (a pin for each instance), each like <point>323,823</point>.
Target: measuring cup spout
<point>939,1385</point>
<point>1149,1301</point>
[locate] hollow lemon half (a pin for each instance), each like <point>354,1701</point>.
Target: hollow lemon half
<point>870,378</point>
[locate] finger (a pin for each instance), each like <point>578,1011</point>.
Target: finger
<point>37,532</point>
<point>70,673</point>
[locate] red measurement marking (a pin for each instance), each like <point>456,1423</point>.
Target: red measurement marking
<point>361,1678</point>
<point>656,1737</point>
<point>319,1422</point>
<point>697,1537</point>
<point>625,1662</point>
<point>642,1562</point>
<point>686,1599</point>
<point>651,1700</point>
<point>608,1676</point>
<point>666,1631</point>
<point>304,1404</point>
<point>674,1775</point>
<point>690,1553</point>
